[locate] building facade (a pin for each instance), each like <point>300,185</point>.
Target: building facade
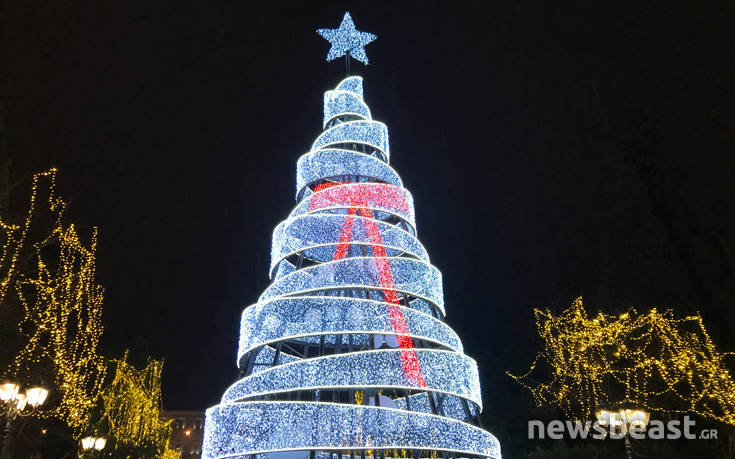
<point>188,431</point>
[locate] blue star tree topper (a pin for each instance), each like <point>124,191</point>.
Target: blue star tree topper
<point>346,40</point>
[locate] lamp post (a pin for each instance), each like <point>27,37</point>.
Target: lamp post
<point>13,403</point>
<point>621,421</point>
<point>93,445</point>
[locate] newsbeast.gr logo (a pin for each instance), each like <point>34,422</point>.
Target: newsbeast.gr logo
<point>656,430</point>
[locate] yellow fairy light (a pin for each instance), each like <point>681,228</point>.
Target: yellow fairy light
<point>15,235</point>
<point>655,361</point>
<point>132,407</point>
<point>170,454</point>
<point>62,309</point>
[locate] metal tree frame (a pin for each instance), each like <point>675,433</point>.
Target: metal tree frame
<point>346,353</point>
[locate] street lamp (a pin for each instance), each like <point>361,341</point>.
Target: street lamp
<point>621,421</point>
<point>13,403</point>
<point>87,443</point>
<point>100,443</point>
<point>36,396</point>
<point>8,391</point>
<point>93,444</point>
<point>20,402</point>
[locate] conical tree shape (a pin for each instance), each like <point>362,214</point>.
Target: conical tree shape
<point>346,353</point>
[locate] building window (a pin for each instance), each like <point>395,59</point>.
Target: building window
<point>177,447</point>
<point>179,423</point>
<point>197,424</point>
<point>196,449</point>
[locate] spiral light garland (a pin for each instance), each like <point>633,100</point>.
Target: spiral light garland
<point>346,353</point>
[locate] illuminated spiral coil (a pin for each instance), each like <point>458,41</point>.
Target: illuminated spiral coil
<point>346,353</point>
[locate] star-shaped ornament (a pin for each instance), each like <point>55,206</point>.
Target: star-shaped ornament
<point>347,40</point>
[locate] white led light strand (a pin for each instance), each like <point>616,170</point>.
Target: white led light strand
<point>368,132</point>
<point>309,317</point>
<point>241,429</point>
<point>338,102</point>
<point>317,235</point>
<point>379,197</point>
<point>334,163</point>
<point>413,277</point>
<point>362,370</point>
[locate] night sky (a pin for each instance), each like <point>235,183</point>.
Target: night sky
<point>551,151</point>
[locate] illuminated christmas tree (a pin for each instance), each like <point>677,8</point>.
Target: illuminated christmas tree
<point>347,353</point>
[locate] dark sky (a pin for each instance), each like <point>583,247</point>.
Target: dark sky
<point>552,151</point>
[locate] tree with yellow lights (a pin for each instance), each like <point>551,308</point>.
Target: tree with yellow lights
<point>131,412</point>
<point>48,273</point>
<point>653,360</point>
<point>53,281</point>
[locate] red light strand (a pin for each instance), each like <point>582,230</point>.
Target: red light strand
<point>358,195</point>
